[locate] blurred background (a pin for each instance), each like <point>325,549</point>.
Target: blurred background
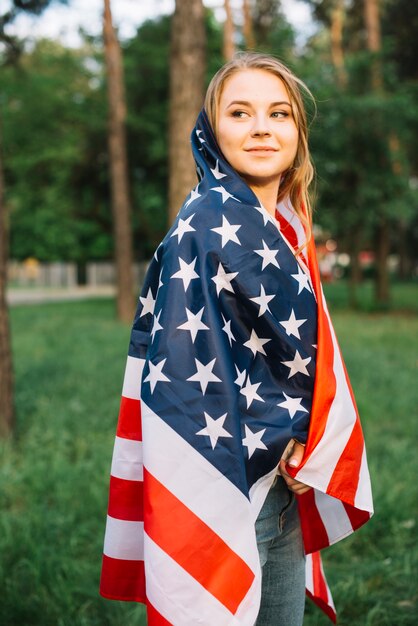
<point>97,102</point>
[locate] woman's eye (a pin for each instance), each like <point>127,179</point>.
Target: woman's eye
<point>278,114</point>
<point>239,114</point>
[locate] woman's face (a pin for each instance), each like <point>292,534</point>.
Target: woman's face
<point>256,129</point>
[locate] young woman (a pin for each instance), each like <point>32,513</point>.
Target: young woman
<point>235,396</point>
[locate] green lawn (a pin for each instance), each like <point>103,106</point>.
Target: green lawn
<point>69,361</point>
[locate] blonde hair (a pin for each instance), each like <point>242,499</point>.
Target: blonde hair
<point>295,182</point>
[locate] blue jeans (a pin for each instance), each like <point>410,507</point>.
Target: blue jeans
<point>282,558</point>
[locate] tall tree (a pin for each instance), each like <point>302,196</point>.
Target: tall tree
<point>11,48</point>
<point>187,75</point>
<point>121,206</point>
<point>248,28</point>
<point>6,371</point>
<point>228,32</point>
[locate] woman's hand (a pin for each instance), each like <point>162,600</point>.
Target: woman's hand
<point>293,456</point>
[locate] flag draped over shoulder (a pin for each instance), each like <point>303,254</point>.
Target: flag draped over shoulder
<point>232,354</point>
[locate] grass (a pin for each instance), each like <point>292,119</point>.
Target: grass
<point>69,361</point>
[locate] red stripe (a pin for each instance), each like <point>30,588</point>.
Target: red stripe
<point>287,230</point>
<point>315,536</point>
<point>326,608</point>
<point>345,477</point>
<point>126,499</point>
<point>357,516</point>
<point>194,546</point>
<point>154,618</point>
<point>320,592</point>
<point>122,580</point>
<point>129,421</point>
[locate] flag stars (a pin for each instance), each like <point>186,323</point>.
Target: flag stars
<point>293,405</point>
<point>204,374</point>
<point>250,392</point>
<point>186,273</point>
<point>214,429</point>
<point>224,193</point>
<point>292,325</point>
<point>228,232</point>
<point>156,374</point>
<point>194,323</point>
<point>298,365</point>
<point>263,212</point>
<point>156,326</point>
<point>183,227</point>
<point>240,379</point>
<point>227,329</point>
<point>302,279</point>
<point>262,300</point>
<point>148,303</point>
<point>194,194</point>
<point>268,255</point>
<point>217,174</point>
<point>256,343</point>
<point>252,441</point>
<point>223,279</point>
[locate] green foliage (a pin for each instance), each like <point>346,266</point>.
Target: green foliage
<point>54,475</point>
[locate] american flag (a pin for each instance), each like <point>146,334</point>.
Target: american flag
<point>232,354</point>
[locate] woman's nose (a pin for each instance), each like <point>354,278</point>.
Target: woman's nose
<point>261,126</point>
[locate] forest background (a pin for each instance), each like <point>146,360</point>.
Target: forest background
<point>54,109</point>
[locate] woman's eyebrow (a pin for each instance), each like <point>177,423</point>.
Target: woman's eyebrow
<point>246,103</point>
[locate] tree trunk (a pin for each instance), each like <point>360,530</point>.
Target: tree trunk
<point>121,206</point>
<point>6,371</point>
<point>337,53</point>
<point>248,30</point>
<point>355,241</point>
<point>228,33</point>
<point>382,254</point>
<point>374,45</point>
<point>187,75</point>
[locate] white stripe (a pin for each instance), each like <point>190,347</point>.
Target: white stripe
<point>200,486</point>
<point>309,573</point>
<point>132,379</point>
<point>334,516</point>
<point>183,601</point>
<point>124,540</point>
<point>259,491</point>
<point>364,499</point>
<point>127,459</point>
<point>320,467</point>
<point>293,219</point>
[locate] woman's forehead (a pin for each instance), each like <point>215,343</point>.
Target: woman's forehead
<point>254,84</point>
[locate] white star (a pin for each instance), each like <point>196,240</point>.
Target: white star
<point>293,405</point>
<point>250,392</point>
<point>204,374</point>
<point>227,329</point>
<point>262,300</point>
<point>183,227</point>
<point>255,343</point>
<point>198,132</point>
<point>156,326</point>
<point>297,365</point>
<point>217,174</point>
<point>253,441</point>
<point>156,374</point>
<point>222,280</point>
<point>160,282</point>
<point>148,303</point>
<point>269,256</point>
<point>194,194</point>
<point>156,253</point>
<point>194,323</point>
<point>225,194</point>
<point>292,325</point>
<point>214,429</point>
<point>227,231</point>
<point>302,279</point>
<point>186,272</point>
<point>240,379</point>
<point>262,212</point>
